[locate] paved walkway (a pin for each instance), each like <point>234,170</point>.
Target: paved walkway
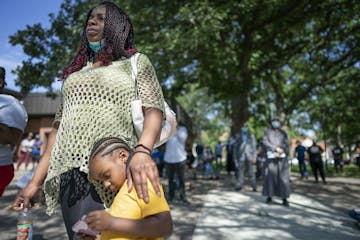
<point>45,227</point>
<point>315,212</point>
<point>237,215</point>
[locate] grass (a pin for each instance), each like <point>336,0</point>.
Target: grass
<point>350,170</point>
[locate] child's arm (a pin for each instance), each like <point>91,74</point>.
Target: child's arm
<point>158,225</point>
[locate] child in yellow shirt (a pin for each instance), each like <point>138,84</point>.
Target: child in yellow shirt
<point>128,216</point>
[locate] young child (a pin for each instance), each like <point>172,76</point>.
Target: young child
<point>128,216</point>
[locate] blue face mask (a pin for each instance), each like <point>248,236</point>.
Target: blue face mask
<point>96,46</point>
<point>244,129</point>
<point>275,124</point>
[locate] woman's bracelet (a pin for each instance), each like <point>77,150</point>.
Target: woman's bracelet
<point>143,146</point>
<point>139,151</point>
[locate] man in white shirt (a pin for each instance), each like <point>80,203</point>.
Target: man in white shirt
<point>13,120</point>
<point>175,160</point>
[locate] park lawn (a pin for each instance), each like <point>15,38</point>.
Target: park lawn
<point>350,170</point>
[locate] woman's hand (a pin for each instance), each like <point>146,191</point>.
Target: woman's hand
<point>279,150</point>
<point>22,200</point>
<point>99,220</point>
<point>37,180</point>
<point>142,167</point>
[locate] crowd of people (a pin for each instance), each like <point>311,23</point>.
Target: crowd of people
<point>241,155</point>
<point>29,151</point>
<point>266,159</point>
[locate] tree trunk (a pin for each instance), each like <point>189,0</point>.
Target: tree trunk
<point>240,104</point>
<point>239,113</point>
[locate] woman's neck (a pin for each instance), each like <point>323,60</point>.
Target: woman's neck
<point>96,63</point>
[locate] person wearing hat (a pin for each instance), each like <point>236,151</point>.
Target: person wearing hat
<point>276,168</point>
<point>13,120</point>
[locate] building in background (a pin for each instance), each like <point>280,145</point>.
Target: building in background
<point>41,109</point>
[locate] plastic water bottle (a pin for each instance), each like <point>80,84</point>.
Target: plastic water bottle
<point>24,226</point>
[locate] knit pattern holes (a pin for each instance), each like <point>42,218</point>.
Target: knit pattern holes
<point>96,104</point>
<point>77,184</point>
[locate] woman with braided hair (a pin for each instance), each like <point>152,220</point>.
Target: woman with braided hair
<point>96,102</point>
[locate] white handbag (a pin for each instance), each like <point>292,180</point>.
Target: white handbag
<point>169,126</point>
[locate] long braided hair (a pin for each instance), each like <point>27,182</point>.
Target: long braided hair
<point>118,35</point>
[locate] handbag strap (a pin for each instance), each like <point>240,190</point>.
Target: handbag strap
<point>133,61</point>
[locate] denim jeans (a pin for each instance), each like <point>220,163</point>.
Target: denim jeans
<point>302,168</point>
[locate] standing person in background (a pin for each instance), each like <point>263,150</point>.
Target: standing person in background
<point>158,156</point>
<point>209,172</point>
<point>36,150</point>
<point>316,162</point>
<point>13,120</point>
<point>199,152</point>
<point>195,163</point>
<point>218,155</point>
<point>276,180</point>
<point>230,163</point>
<point>24,152</point>
<point>245,157</point>
<point>300,155</point>
<point>97,92</point>
<point>356,155</point>
<point>337,153</point>
<point>175,160</point>
<point>260,159</point>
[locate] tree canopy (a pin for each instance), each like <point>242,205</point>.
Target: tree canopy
<point>254,59</point>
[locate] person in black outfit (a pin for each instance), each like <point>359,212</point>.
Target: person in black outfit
<point>260,159</point>
<point>230,164</point>
<point>199,151</point>
<point>316,163</point>
<point>337,153</point>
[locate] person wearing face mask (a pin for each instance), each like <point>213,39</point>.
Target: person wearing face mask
<point>245,157</point>
<point>96,95</point>
<point>276,181</point>
<point>13,120</point>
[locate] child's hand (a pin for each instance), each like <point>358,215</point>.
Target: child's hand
<point>82,236</point>
<point>99,220</point>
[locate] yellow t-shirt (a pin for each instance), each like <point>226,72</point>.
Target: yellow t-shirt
<point>128,205</point>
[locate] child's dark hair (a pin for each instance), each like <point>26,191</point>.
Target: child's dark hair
<point>103,143</point>
<point>118,35</point>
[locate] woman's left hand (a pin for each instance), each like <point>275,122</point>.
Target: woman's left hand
<point>142,167</point>
<point>99,220</point>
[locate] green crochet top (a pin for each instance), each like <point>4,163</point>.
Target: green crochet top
<point>96,104</point>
